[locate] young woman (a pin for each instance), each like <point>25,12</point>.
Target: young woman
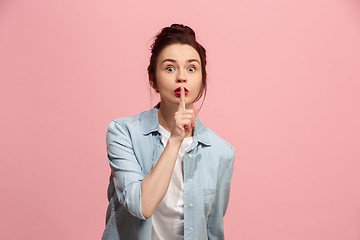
<point>170,175</point>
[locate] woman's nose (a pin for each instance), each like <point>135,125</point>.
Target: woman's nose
<point>181,80</point>
<point>181,77</point>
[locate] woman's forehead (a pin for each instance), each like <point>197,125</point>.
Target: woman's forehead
<point>179,52</point>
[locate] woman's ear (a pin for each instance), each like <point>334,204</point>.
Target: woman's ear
<point>152,83</point>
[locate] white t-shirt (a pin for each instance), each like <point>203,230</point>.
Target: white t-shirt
<point>168,217</point>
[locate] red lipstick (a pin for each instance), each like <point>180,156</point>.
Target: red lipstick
<point>177,91</point>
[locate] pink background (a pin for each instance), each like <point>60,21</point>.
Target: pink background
<point>283,89</point>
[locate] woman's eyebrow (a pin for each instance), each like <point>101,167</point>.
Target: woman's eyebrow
<point>168,60</point>
<point>174,61</point>
<point>193,60</point>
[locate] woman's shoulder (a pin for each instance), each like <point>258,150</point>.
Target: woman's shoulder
<point>218,143</point>
<point>133,121</point>
<point>219,140</point>
<point>220,152</point>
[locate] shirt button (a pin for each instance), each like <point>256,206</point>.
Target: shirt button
<point>190,205</point>
<point>189,180</point>
<point>189,155</point>
<point>190,228</point>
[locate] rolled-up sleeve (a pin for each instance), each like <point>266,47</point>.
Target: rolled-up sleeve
<point>215,225</point>
<point>126,170</point>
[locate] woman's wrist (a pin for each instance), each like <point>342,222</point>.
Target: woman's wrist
<point>175,141</point>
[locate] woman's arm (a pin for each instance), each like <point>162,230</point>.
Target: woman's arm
<point>154,186</point>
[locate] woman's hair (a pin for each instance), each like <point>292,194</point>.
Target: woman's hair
<point>176,33</point>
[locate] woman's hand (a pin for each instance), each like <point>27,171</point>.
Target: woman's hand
<point>184,120</point>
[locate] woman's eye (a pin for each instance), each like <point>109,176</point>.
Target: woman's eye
<point>170,69</point>
<point>191,69</point>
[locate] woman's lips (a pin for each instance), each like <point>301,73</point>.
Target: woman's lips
<point>177,91</point>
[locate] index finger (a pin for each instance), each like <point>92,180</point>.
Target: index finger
<point>182,98</point>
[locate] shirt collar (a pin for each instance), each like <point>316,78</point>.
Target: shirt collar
<point>150,123</point>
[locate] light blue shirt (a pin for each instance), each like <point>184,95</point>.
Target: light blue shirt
<point>134,147</point>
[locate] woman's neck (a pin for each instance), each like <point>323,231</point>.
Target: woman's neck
<point>166,115</point>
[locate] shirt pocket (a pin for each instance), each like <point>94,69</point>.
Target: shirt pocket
<point>209,197</point>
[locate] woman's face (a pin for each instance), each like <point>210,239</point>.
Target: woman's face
<point>178,65</point>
